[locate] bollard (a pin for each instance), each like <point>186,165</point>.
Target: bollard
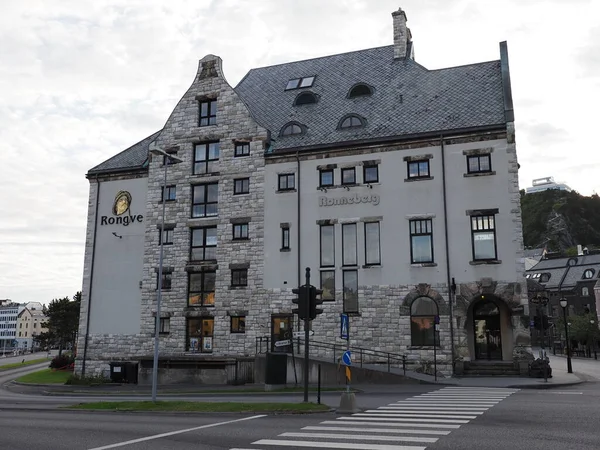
<point>319,385</point>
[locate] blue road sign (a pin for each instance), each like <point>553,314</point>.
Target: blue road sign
<point>347,358</point>
<point>532,324</point>
<point>344,327</point>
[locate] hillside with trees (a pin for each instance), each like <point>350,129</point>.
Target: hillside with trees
<point>560,220</point>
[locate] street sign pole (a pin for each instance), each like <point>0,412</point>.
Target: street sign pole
<point>306,338</point>
<point>348,349</point>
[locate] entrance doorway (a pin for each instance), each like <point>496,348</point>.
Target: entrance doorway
<point>281,330</point>
<point>486,326</point>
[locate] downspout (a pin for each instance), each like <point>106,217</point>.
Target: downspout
<point>89,297</point>
<point>449,282</point>
<point>298,213</point>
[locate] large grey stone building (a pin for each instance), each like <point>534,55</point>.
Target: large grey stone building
<point>397,185</point>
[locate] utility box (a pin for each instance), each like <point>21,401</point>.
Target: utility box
<point>117,372</point>
<point>275,369</point>
<point>131,373</point>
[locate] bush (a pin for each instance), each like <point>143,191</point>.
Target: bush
<point>87,380</point>
<point>62,361</point>
<point>536,368</point>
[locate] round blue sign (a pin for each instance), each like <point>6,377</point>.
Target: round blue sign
<point>347,358</point>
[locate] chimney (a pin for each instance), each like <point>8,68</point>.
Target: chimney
<point>402,36</point>
<point>579,250</point>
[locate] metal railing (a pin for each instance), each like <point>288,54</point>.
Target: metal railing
<point>360,355</point>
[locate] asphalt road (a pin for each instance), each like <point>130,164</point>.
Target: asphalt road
<point>415,417</point>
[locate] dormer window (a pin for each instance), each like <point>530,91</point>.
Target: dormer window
<point>297,83</point>
<point>360,90</point>
<point>291,129</point>
<point>305,98</point>
<point>588,274</point>
<point>545,277</point>
<point>352,121</point>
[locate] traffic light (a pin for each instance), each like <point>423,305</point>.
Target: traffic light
<point>301,300</point>
<point>314,302</point>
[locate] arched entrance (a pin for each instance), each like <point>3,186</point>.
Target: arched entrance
<point>487,330</point>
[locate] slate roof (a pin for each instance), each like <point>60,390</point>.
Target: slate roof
<point>130,159</point>
<point>408,99</point>
<point>557,268</point>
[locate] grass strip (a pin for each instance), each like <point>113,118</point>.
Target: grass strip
<point>21,364</point>
<point>46,376</point>
<point>200,406</point>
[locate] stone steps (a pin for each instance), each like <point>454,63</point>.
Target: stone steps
<point>490,368</point>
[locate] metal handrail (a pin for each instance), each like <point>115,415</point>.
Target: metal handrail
<point>389,358</point>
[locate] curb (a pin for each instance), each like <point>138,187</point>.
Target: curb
<point>547,386</point>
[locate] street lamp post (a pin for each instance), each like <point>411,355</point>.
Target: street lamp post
<point>563,304</point>
<point>593,339</point>
<point>168,160</point>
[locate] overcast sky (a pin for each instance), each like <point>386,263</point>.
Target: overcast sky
<point>81,80</point>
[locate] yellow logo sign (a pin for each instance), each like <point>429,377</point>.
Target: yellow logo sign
<point>122,203</point>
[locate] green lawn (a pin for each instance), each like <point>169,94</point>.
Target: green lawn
<point>46,376</point>
<point>201,406</point>
<point>26,363</point>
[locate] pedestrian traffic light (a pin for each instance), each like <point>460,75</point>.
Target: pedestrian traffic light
<point>302,300</point>
<point>314,302</point>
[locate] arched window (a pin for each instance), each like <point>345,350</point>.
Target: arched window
<point>305,98</point>
<point>589,273</point>
<point>585,292</point>
<point>291,129</point>
<point>352,121</point>
<point>360,90</point>
<point>423,312</point>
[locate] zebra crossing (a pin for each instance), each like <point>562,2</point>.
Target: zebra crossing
<point>408,424</point>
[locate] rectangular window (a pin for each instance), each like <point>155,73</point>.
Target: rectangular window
<point>204,244</point>
<point>200,333</point>
<point>349,257</point>
<point>164,326</point>
<point>242,149</point>
<point>167,160</point>
<point>350,291</point>
<point>208,113</point>
<point>296,83</point>
<point>421,241</point>
<point>168,194</point>
<point>418,169</point>
<point>240,231</point>
<point>206,157</point>
<point>479,163</point>
<point>349,175</point>
<point>372,244</point>
<point>285,238</point>
<point>238,324</point>
<point>239,277</point>
<point>205,198</point>
<point>371,174</point>
<point>328,284</point>
<point>167,236</point>
<point>201,289</point>
<point>166,281</point>
<point>287,182</point>
<point>241,186</point>
<point>483,231</point>
<point>327,246</point>
<point>326,178</point>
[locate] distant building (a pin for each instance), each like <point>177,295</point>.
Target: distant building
<point>543,184</point>
<point>30,323</point>
<point>9,312</point>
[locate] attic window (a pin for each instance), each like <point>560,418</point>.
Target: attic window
<point>297,83</point>
<point>291,129</point>
<point>545,277</point>
<point>360,90</point>
<point>305,98</point>
<point>588,274</point>
<point>351,122</point>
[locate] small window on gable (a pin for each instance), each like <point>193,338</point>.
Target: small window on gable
<point>360,90</point>
<point>589,273</point>
<point>291,129</point>
<point>305,98</point>
<point>351,122</point>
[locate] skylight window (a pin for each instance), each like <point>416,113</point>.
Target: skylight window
<point>297,83</point>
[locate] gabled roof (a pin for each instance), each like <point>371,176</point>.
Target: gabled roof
<point>130,159</point>
<point>408,99</point>
<point>564,276</point>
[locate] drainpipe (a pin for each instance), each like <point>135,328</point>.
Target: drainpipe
<point>449,281</point>
<point>89,297</point>
<point>298,213</point>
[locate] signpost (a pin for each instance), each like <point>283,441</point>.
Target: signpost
<point>436,329</point>
<point>344,326</point>
<point>300,334</point>
<point>283,343</point>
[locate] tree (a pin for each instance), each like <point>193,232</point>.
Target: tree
<point>582,328</point>
<point>62,323</point>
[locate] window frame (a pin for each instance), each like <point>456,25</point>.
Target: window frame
<point>353,258</point>
<point>325,171</point>
<point>478,158</point>
<point>360,86</point>
<point>349,122</point>
<point>586,271</point>
<point>348,170</point>
<point>204,247</point>
<point>321,227</point>
<point>413,226</point>
<point>167,236</point>
<point>242,277</point>
<point>324,296</point>
<point>285,238</point>
<point>345,295</point>
<point>237,153</point>
<point>286,177</point>
<point>418,164</point>
<point>433,340</point>
<point>300,81</point>
<point>370,166</point>
<point>241,227</point>
<point>241,325</point>
<point>367,261</point>
<point>491,230</point>
<point>167,281</point>
<point>293,127</point>
<point>164,325</point>
<point>241,183</point>
<point>207,161</point>
<point>203,292</point>
<point>211,116</point>
<point>202,337</point>
<point>171,189</point>
<point>206,203</point>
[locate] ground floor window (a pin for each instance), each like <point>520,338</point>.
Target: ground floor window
<point>423,312</point>
<point>200,334</point>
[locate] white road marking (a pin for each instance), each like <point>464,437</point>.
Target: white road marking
<point>391,409</point>
<point>378,430</point>
<point>562,393</point>
<point>319,444</point>
<point>172,433</point>
<point>433,408</point>
<point>365,437</point>
<point>385,422</point>
<point>388,417</point>
<point>375,412</point>
<point>443,403</point>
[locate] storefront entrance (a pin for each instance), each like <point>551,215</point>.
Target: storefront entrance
<point>486,326</point>
<point>281,330</point>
